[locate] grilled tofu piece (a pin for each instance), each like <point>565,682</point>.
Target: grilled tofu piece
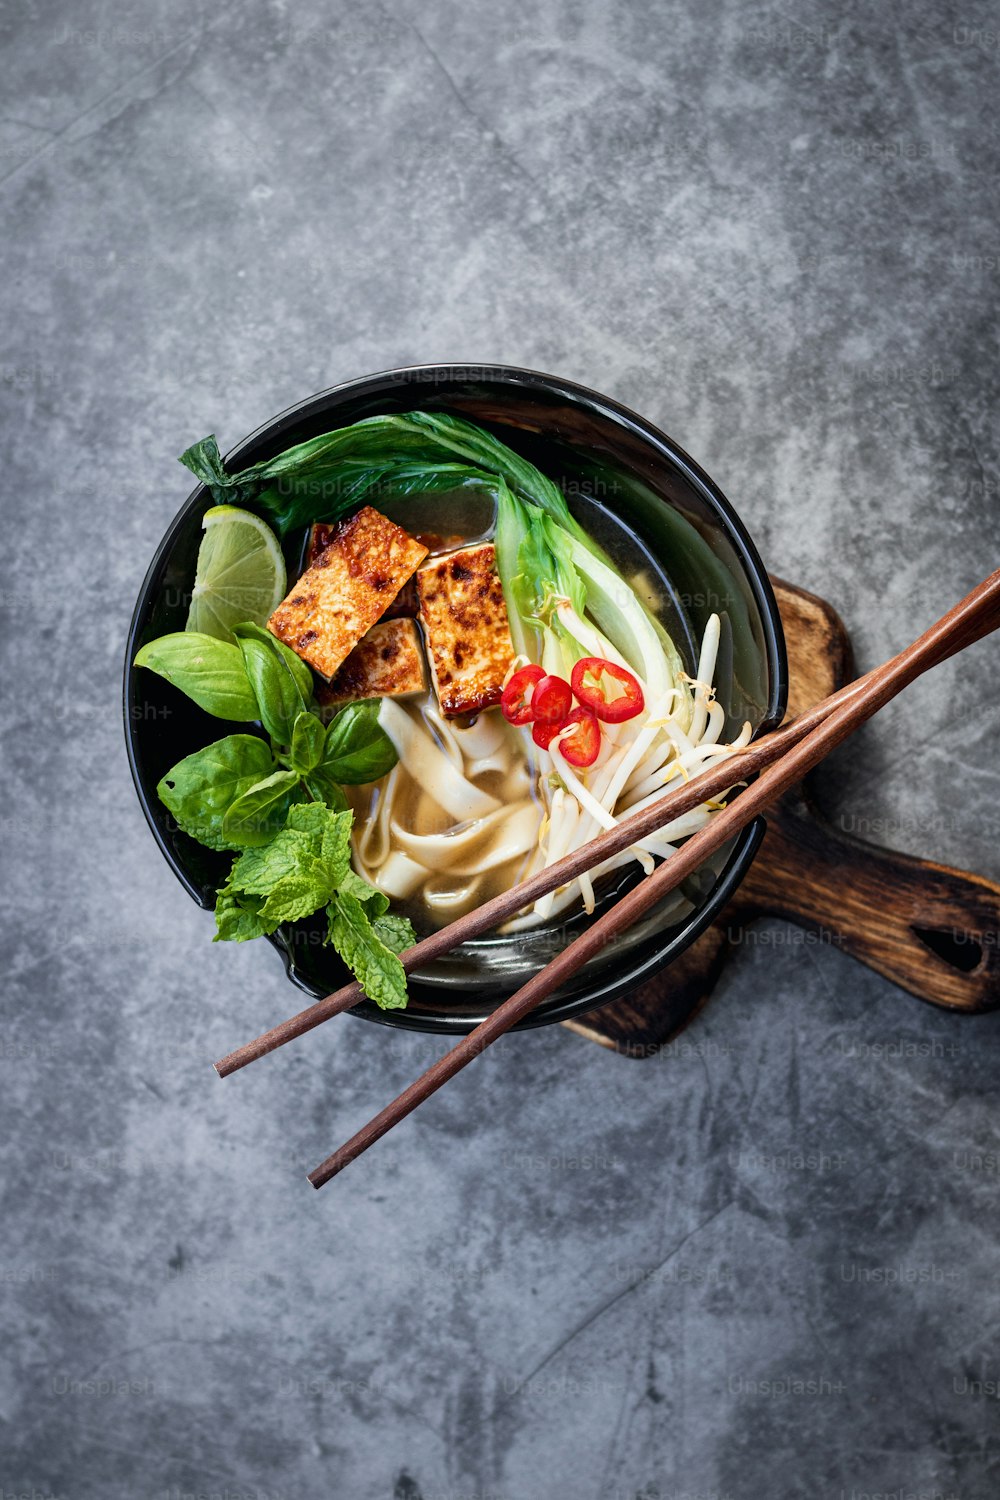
<point>349,586</point>
<point>464,618</point>
<point>388,662</point>
<point>406,604</point>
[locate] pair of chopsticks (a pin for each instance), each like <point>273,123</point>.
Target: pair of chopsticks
<point>778,761</point>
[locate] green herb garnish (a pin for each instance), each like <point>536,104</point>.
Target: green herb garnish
<point>304,868</point>
<point>280,802</point>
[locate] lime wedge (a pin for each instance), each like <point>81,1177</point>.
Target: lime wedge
<point>240,573</point>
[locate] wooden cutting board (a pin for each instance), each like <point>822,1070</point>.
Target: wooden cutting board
<point>933,930</point>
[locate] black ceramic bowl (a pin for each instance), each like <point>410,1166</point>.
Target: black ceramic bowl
<point>606,457</point>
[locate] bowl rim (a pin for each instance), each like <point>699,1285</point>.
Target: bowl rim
<point>581,396</point>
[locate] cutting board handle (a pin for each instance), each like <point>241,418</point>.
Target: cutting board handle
<point>931,929</point>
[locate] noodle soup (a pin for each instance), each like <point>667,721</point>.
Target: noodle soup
<point>437,864</point>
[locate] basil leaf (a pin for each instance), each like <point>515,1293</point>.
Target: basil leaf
<point>308,742</point>
<point>299,669</point>
<point>379,971</point>
<point>276,689</point>
<point>326,791</point>
<point>210,672</point>
<point>236,919</point>
<point>259,814</point>
<point>357,747</point>
<point>200,789</point>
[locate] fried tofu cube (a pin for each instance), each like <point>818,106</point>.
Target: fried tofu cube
<point>388,662</point>
<point>349,586</point>
<point>465,625</point>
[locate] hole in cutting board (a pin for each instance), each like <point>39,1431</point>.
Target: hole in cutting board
<point>964,953</point>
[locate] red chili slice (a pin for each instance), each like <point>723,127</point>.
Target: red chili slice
<point>582,747</point>
<point>630,701</point>
<point>544,734</point>
<point>514,704</point>
<point>551,700</point>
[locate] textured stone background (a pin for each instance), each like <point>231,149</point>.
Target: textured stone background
<point>771,231</point>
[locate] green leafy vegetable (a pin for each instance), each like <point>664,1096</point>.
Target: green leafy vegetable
<point>210,672</point>
<point>256,817</point>
<point>260,871</point>
<point>387,457</point>
<point>375,965</point>
<point>275,688</point>
<point>357,748</point>
<point>304,867</point>
<point>296,873</point>
<point>374,902</point>
<point>551,580</point>
<point>394,931</point>
<point>377,458</point>
<point>200,789</point>
<point>299,669</point>
<point>326,791</point>
<point>236,917</point>
<point>308,742</point>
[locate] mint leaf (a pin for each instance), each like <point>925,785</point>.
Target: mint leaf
<point>374,902</point>
<point>331,833</point>
<point>199,790</point>
<point>308,741</point>
<point>258,871</point>
<point>294,896</point>
<point>336,845</point>
<point>379,971</point>
<point>301,867</point>
<point>236,919</point>
<point>357,748</point>
<point>314,819</point>
<point>210,672</point>
<point>257,816</point>
<point>395,932</point>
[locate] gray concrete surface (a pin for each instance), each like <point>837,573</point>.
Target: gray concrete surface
<point>761,1265</point>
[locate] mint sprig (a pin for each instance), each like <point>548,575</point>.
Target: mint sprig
<point>305,868</point>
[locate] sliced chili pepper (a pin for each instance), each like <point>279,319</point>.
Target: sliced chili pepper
<point>514,704</point>
<point>631,700</point>
<point>582,747</point>
<point>551,700</point>
<point>544,734</point>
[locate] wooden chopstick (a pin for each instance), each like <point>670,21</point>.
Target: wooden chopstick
<point>730,771</point>
<point>974,617</point>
